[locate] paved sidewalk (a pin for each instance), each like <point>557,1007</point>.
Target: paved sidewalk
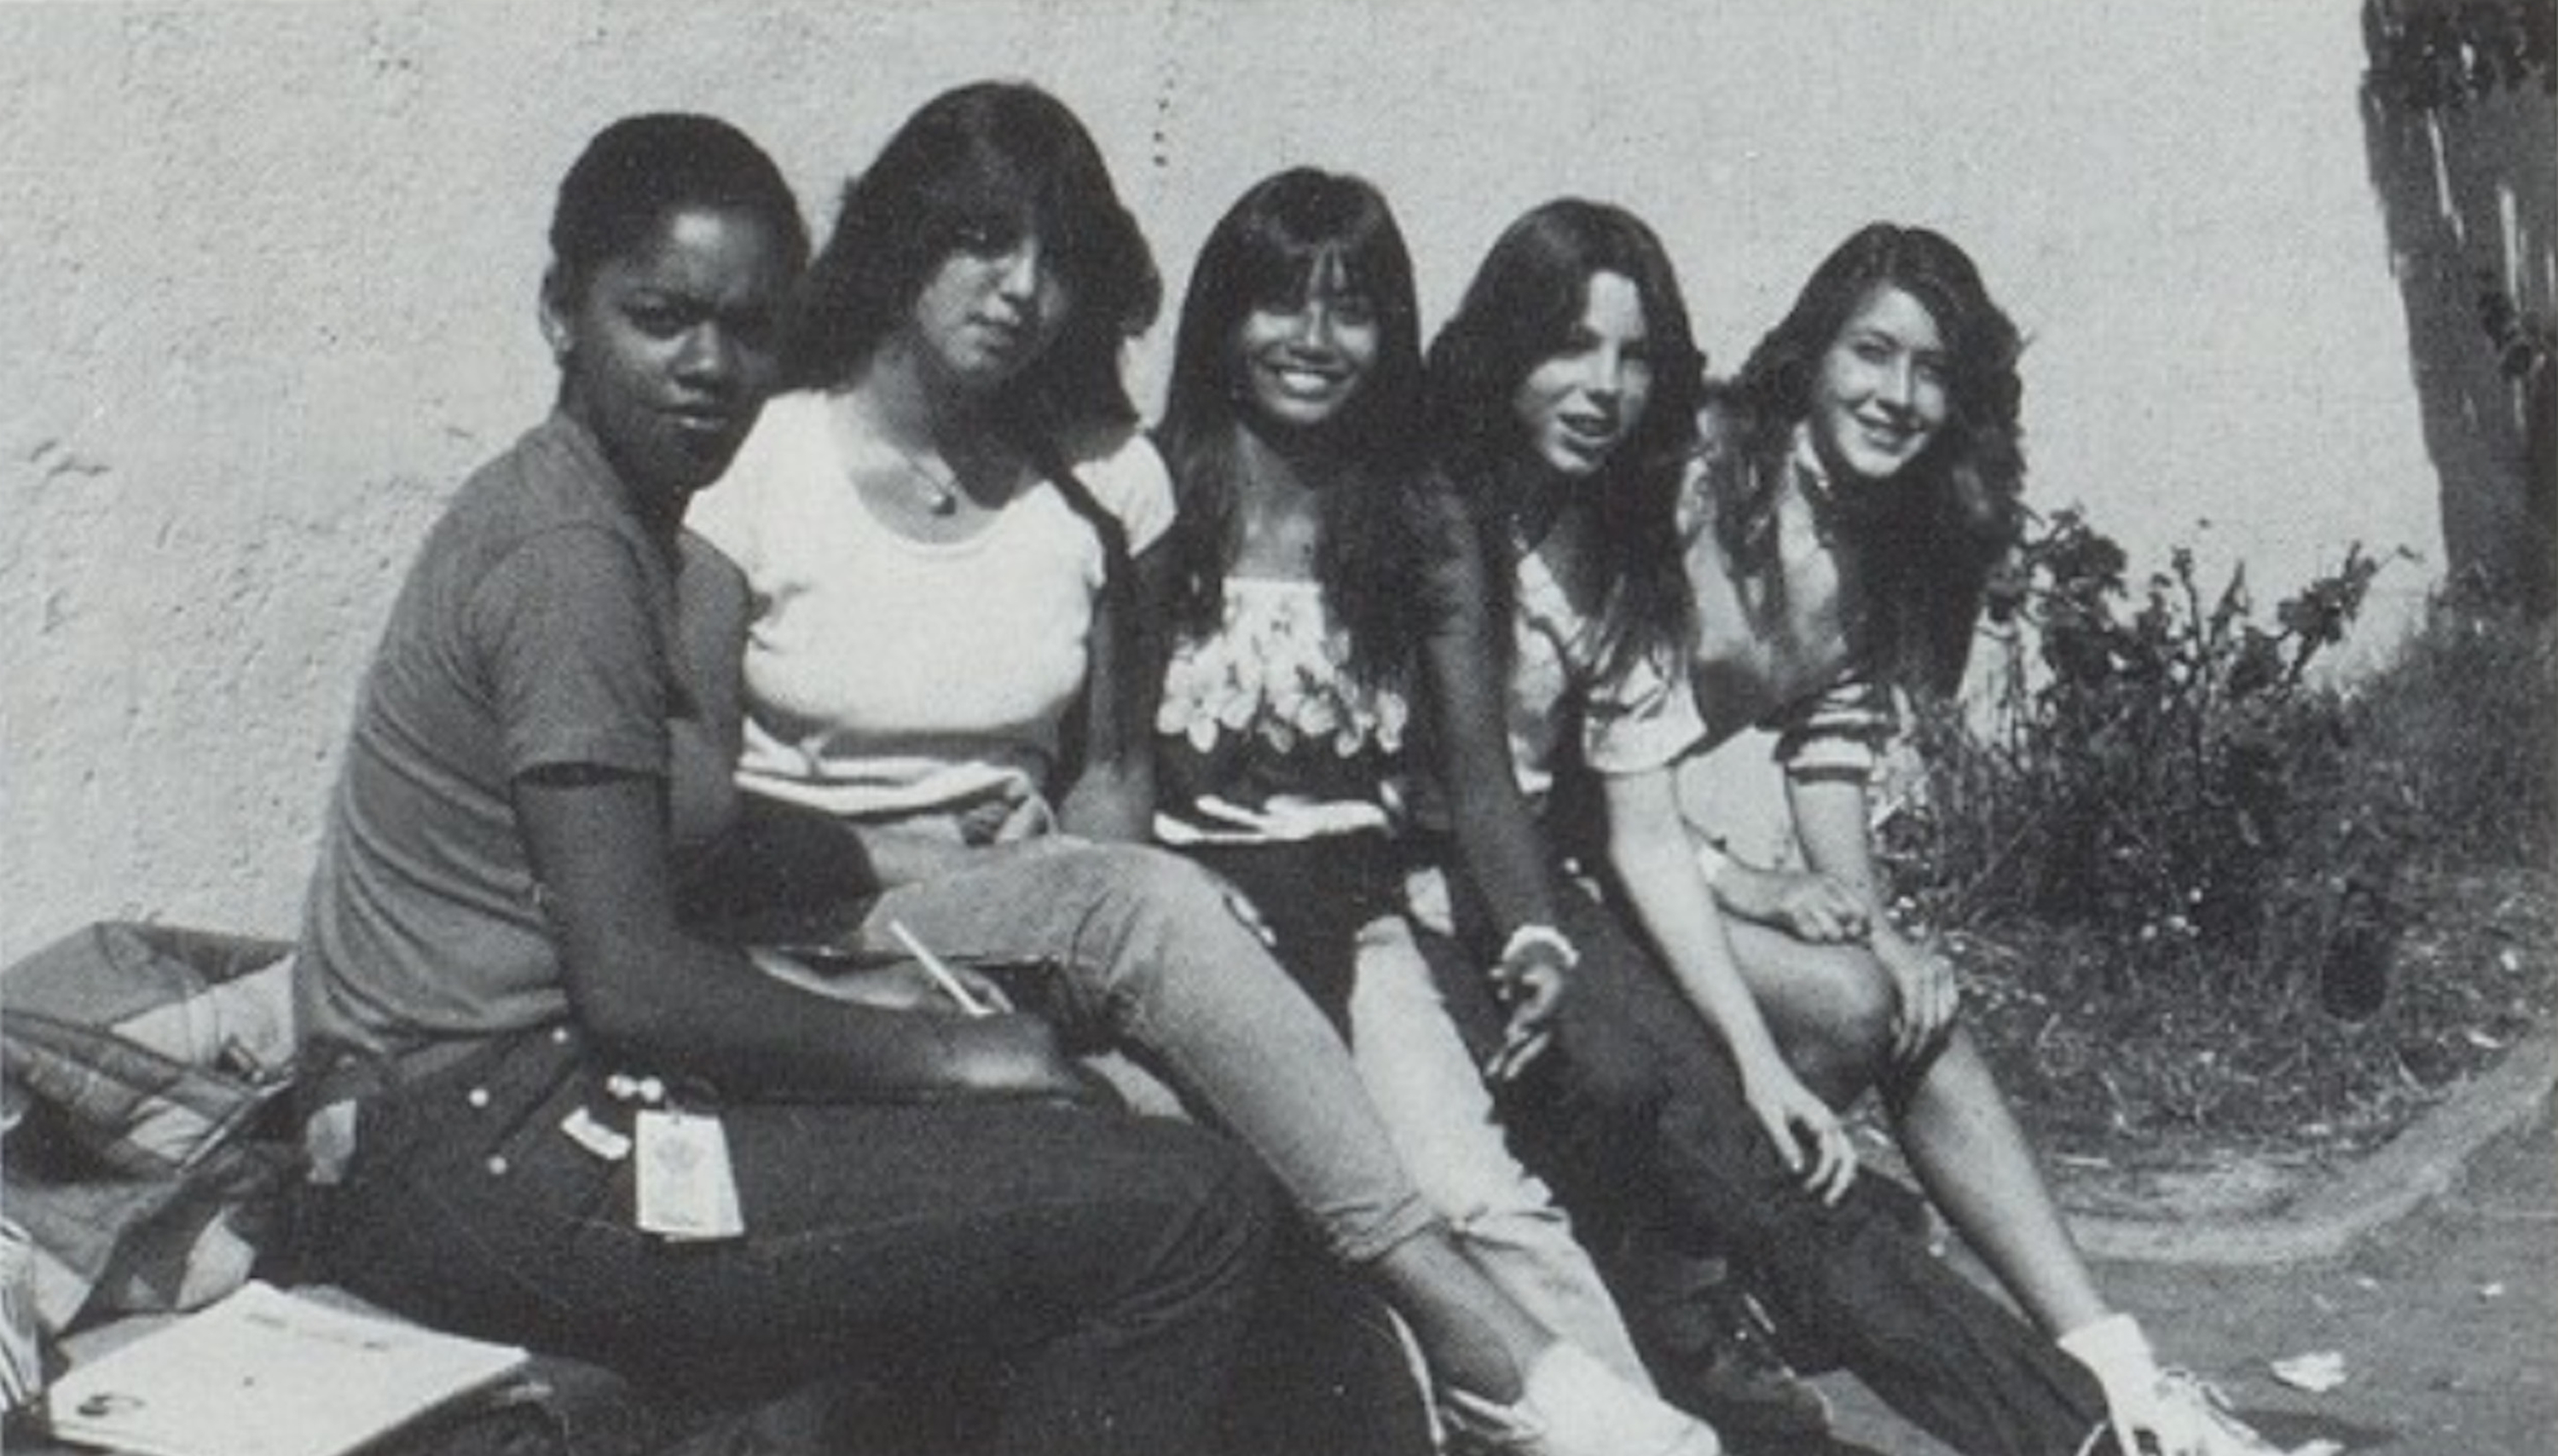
<point>2430,1269</point>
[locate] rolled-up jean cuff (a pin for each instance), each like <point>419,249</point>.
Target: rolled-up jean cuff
<point>1369,1244</point>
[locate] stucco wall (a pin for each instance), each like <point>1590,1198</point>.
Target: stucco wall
<point>271,267</point>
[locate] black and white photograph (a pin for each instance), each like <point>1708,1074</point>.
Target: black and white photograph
<point>1279,727</point>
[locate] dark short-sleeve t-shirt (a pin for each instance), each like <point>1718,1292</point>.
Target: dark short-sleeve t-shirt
<point>534,631</point>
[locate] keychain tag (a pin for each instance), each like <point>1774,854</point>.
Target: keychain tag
<point>686,1189</point>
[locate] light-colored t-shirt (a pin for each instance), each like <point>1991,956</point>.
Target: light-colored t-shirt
<point>891,678</point>
<point>1776,650</point>
<point>1636,719</point>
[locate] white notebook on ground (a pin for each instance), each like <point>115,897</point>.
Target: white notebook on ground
<point>265,1372</point>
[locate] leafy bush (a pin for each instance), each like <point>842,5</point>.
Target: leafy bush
<point>2165,770</point>
<point>2205,899</point>
<point>2464,722</point>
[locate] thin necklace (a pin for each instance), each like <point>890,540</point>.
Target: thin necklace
<point>938,491</point>
<point>941,493</point>
<point>1813,481</point>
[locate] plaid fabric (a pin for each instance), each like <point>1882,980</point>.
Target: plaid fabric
<point>137,1112</point>
<point>138,1059</point>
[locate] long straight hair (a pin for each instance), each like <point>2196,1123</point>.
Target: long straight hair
<point>1270,250</point>
<point>982,166</point>
<point>1522,308</point>
<point>978,166</point>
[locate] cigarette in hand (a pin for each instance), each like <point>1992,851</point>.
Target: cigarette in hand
<point>940,972</point>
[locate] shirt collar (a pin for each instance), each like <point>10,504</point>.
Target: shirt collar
<point>1812,478</point>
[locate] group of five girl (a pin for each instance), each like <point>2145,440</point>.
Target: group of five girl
<point>966,769</point>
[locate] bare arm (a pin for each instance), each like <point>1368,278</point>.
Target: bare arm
<point>1831,819</point>
<point>1830,822</point>
<point>647,990</point>
<point>1497,838</point>
<point>1498,846</point>
<point>1112,793</point>
<point>1648,850</point>
<point>1805,904</point>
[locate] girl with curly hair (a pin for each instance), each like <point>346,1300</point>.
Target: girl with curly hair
<point>1854,487</point>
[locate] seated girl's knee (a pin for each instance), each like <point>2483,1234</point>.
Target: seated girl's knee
<point>1182,890</point>
<point>1869,1003</point>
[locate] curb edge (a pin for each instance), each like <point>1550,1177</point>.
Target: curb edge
<point>2423,1162</point>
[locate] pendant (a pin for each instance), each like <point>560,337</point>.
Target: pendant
<point>942,501</point>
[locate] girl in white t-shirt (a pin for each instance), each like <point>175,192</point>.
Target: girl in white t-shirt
<point>932,581</point>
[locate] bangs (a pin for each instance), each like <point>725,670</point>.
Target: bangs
<point>992,200</point>
<point>1280,269</point>
<point>1280,273</point>
<point>989,206</point>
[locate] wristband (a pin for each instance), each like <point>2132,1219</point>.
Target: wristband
<point>1533,934</point>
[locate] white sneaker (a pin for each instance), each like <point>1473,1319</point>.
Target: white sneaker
<point>1570,1405</point>
<point>2205,1413</point>
<point>2160,1411</point>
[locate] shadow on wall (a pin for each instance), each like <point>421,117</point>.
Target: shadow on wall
<point>2459,119</point>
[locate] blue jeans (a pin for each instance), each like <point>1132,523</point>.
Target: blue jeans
<point>1636,1115</point>
<point>1092,1271</point>
<point>1139,950</point>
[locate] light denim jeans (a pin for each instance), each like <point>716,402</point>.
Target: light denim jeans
<point>1138,950</point>
<point>1440,1115</point>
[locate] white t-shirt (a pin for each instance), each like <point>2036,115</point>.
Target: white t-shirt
<point>1640,720</point>
<point>888,677</point>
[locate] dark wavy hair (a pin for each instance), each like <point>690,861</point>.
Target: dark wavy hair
<point>991,160</point>
<point>638,170</point>
<point>1522,308</point>
<point>1930,542</point>
<point>1269,249</point>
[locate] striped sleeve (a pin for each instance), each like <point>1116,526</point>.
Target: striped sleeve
<point>1839,733</point>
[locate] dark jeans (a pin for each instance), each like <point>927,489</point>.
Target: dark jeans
<point>1636,1116</point>
<point>1085,1274</point>
<point>1316,895</point>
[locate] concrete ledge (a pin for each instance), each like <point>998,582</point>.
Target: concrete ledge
<point>2402,1176</point>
